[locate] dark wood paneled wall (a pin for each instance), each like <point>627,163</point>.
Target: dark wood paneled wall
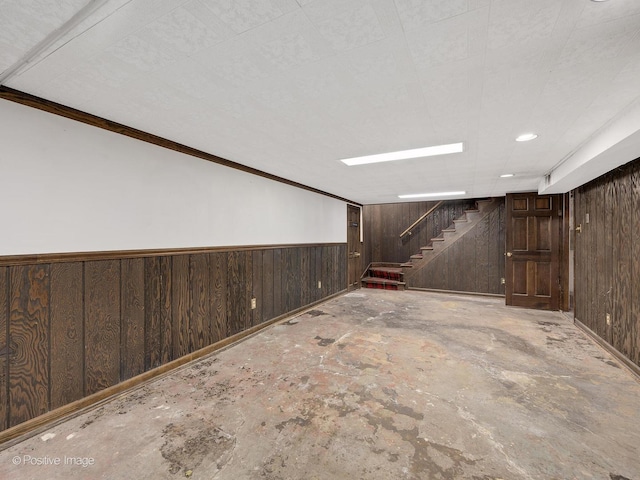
<point>72,328</point>
<point>607,258</point>
<point>383,225</point>
<point>473,264</point>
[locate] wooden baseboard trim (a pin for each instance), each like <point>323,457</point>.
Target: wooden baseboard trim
<point>25,430</point>
<point>632,367</point>
<point>455,292</point>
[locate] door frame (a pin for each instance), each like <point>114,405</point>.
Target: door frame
<point>567,266</point>
<point>354,246</point>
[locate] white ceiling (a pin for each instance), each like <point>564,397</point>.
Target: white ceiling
<point>290,87</point>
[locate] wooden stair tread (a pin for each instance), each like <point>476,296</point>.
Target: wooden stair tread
<point>450,230</point>
<point>385,265</point>
<point>384,276</point>
<point>387,269</point>
<point>437,239</point>
<point>383,281</point>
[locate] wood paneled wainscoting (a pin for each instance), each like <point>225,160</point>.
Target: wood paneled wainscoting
<point>75,325</point>
<point>607,261</point>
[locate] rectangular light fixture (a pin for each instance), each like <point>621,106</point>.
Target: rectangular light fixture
<point>436,194</point>
<point>405,154</point>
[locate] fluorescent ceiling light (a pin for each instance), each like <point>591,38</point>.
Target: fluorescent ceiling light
<point>525,137</point>
<point>437,194</point>
<point>507,175</point>
<point>405,154</point>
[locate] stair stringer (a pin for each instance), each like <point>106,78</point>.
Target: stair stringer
<point>448,237</point>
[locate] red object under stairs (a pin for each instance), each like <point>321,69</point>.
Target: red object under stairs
<point>384,277</point>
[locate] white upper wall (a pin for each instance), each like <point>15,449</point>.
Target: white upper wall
<point>70,187</point>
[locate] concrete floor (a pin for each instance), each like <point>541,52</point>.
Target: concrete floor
<point>371,385</point>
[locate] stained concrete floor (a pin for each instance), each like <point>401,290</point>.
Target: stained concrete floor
<point>370,385</point>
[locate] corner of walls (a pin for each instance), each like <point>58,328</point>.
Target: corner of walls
<point>174,252</point>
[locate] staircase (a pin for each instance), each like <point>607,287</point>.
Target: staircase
<point>386,276</point>
<point>394,276</point>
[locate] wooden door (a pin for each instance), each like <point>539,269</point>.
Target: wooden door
<point>353,246</point>
<point>533,250</point>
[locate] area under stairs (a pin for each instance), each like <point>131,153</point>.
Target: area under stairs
<point>396,276</point>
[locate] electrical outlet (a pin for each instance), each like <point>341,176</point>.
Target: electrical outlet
<point>608,319</point>
<point>254,303</point>
<point>319,284</point>
<point>502,281</point>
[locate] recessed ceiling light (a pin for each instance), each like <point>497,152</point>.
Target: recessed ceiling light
<point>507,175</point>
<point>405,154</point>
<point>436,194</point>
<point>525,137</point>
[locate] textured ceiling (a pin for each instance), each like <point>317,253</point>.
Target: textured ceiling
<point>290,87</point>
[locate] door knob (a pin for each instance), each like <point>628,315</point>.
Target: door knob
<point>509,254</point>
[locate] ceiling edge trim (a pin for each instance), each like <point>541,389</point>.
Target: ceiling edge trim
<point>49,106</point>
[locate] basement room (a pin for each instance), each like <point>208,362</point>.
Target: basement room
<point>320,239</point>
